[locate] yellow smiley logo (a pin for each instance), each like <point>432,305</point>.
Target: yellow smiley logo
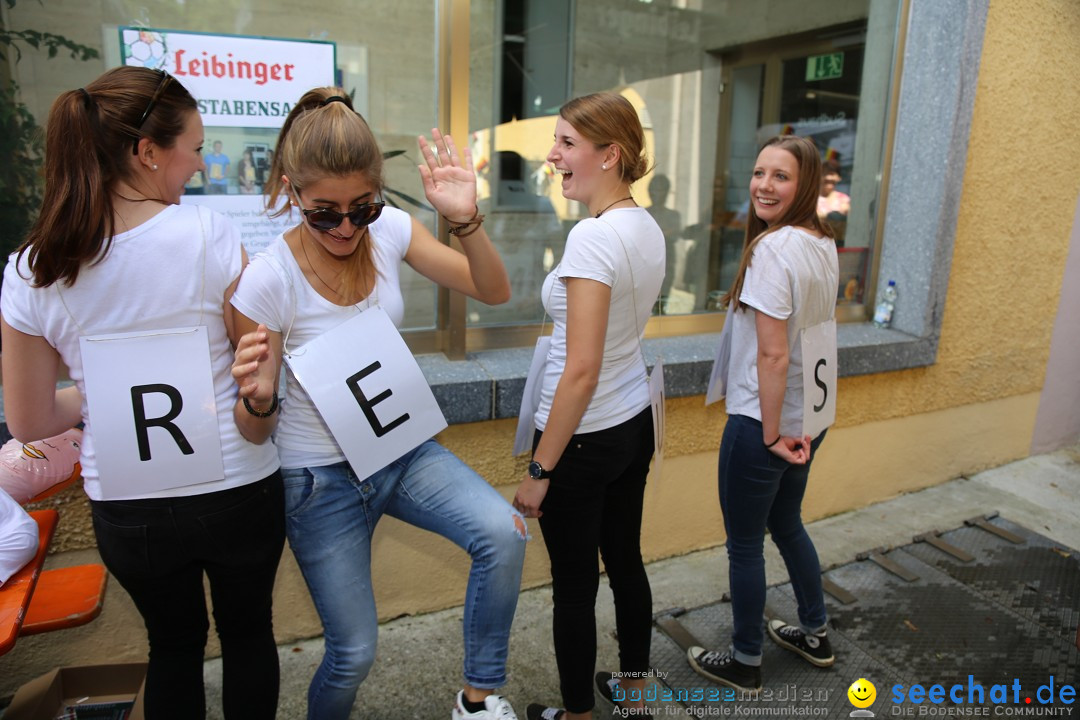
<point>862,693</point>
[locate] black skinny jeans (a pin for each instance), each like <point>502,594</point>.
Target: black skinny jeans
<point>158,549</point>
<point>594,502</point>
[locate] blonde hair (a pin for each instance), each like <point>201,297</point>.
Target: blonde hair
<point>801,212</point>
<point>323,137</point>
<point>604,119</point>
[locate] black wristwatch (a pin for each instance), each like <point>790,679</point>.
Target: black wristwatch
<point>537,471</point>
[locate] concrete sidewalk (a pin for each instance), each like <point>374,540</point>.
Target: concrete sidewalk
<point>419,666</point>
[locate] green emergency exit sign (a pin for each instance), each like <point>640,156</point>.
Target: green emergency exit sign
<point>825,67</point>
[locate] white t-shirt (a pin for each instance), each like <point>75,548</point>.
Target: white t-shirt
<point>792,276</point>
<point>273,291</point>
<point>152,279</point>
<point>18,537</point>
<point>594,251</point>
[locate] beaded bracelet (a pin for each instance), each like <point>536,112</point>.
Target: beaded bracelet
<point>262,413</point>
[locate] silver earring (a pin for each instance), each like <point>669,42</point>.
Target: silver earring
<point>603,167</point>
<point>153,167</point>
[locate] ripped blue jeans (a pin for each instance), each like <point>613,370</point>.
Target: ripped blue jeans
<point>330,518</point>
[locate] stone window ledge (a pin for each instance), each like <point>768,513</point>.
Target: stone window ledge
<point>488,385</point>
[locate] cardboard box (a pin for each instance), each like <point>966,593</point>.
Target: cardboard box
<point>46,697</point>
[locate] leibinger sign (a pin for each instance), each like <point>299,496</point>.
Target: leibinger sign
<point>238,81</point>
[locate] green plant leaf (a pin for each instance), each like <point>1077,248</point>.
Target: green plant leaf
<point>21,143</point>
<point>407,198</point>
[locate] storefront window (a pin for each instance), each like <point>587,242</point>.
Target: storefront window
<point>711,82</point>
<point>247,62</point>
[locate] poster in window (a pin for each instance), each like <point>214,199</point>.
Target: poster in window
<point>245,87</point>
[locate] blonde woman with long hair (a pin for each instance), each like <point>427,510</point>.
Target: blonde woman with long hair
<point>344,258</point>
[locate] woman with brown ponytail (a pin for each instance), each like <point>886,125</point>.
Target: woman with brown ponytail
<point>113,272</point>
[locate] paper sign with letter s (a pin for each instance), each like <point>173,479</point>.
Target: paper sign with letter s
<point>366,384</point>
<point>819,377</point>
<point>151,401</point>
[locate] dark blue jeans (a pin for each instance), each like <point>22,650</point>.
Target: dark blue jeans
<point>159,550</point>
<point>594,502</point>
<point>759,491</point>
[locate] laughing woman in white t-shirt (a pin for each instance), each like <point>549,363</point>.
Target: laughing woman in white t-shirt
<point>787,282</point>
<point>592,450</point>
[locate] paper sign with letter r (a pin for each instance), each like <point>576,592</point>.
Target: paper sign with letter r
<point>153,410</point>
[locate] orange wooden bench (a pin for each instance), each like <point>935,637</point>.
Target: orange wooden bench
<point>36,600</point>
<point>65,598</point>
<point>15,594</point>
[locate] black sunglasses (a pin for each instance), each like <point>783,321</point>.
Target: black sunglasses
<point>326,219</point>
<point>166,78</point>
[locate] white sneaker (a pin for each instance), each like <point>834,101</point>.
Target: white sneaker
<point>496,707</point>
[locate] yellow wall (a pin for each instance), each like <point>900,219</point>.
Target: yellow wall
<point>1020,190</point>
<point>896,432</point>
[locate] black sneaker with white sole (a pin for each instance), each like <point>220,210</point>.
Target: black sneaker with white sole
<point>723,668</point>
<point>536,711</point>
<point>607,685</point>
<point>816,649</point>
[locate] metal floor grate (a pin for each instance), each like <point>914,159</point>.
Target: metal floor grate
<point>1010,614</point>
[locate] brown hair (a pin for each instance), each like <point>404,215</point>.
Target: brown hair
<point>801,212</point>
<point>604,119</point>
<point>88,148</point>
<point>321,138</point>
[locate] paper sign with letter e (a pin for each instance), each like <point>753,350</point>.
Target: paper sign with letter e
<point>153,412</point>
<point>369,390</point>
<point>819,377</point>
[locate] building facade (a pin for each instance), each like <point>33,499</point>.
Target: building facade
<point>944,119</point>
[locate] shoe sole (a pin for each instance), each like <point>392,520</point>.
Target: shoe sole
<point>716,678</point>
<point>819,662</point>
<point>536,710</point>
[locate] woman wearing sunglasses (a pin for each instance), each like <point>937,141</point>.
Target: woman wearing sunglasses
<point>342,259</point>
<point>113,252</point>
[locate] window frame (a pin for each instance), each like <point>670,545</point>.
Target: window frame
<point>937,65</point>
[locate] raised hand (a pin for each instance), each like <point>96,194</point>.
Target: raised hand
<point>449,181</point>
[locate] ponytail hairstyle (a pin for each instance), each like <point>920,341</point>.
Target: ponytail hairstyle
<point>802,211</point>
<point>323,137</point>
<point>90,136</point>
<point>604,119</point>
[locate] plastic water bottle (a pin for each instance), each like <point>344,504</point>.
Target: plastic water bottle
<point>884,310</point>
